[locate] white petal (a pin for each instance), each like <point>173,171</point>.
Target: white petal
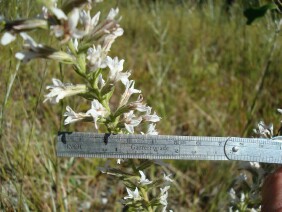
<point>59,13</point>
<point>129,128</point>
<point>136,193</point>
<point>118,32</point>
<point>124,78</point>
<point>112,14</point>
<point>130,194</point>
<point>19,55</point>
<point>75,44</point>
<point>73,18</point>
<point>33,45</point>
<point>57,82</point>
<point>7,38</point>
<point>167,178</point>
<point>95,19</point>
<point>143,179</point>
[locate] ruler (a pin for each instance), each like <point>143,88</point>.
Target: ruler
<point>81,144</point>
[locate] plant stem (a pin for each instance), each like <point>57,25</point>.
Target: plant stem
<point>260,83</point>
<point>146,198</point>
<point>10,85</point>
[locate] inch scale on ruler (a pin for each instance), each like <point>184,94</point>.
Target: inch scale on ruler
<point>79,144</point>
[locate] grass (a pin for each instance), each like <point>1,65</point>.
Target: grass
<point>198,68</point>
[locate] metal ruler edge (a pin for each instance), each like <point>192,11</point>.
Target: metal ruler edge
<point>84,144</point>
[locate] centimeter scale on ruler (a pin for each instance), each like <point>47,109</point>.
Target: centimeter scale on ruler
<point>81,144</point>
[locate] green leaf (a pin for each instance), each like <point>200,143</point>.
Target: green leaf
<point>253,13</point>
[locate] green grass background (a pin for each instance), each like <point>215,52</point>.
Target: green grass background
<point>197,65</point>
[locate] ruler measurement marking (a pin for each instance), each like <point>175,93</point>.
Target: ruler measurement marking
<point>169,147</point>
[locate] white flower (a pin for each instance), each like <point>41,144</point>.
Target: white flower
<point>129,90</point>
<point>133,194</point>
<point>88,22</point>
<point>116,68</point>
<point>167,178</point>
<point>74,117</point>
<point>119,161</point>
<point>68,25</point>
<point>242,197</point>
<point>151,130</point>
<point>7,38</point>
<point>163,198</point>
<point>143,180</point>
<point>110,38</point>
<point>95,20</point>
<point>112,14</point>
<point>130,121</point>
<point>35,50</point>
<point>101,81</point>
<point>264,131</point>
<point>164,190</point>
<point>136,105</point>
<point>279,110</point>
<point>105,32</point>
<point>255,165</point>
<point>60,90</point>
<point>232,195</point>
<point>97,111</point>
<point>96,58</point>
<point>150,117</point>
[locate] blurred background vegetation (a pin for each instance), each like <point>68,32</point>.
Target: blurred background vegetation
<point>199,66</point>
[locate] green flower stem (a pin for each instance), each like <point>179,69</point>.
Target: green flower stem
<point>71,47</point>
<point>146,198</point>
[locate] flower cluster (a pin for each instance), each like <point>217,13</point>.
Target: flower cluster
<point>144,187</point>
<point>139,189</point>
<point>84,43</point>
